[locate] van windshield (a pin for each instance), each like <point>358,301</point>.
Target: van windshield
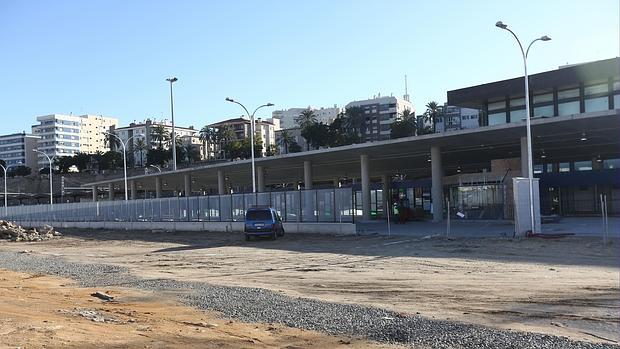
<point>262,215</point>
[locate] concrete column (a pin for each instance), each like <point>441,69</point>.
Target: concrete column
<point>187,185</point>
<point>158,187</point>
<point>110,191</point>
<point>133,190</point>
<point>437,184</point>
<point>365,170</point>
<point>221,185</point>
<point>307,174</point>
<point>336,183</point>
<point>386,182</point>
<point>524,167</point>
<point>260,180</point>
<point>94,189</point>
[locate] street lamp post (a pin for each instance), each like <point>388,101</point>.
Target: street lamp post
<point>174,141</point>
<point>530,167</point>
<point>124,144</point>
<point>50,161</point>
<point>6,206</point>
<point>251,116</point>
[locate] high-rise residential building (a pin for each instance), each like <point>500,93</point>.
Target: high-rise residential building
<point>380,113</point>
<point>66,135</point>
<point>16,149</point>
<point>288,117</point>
<point>457,118</point>
<point>146,131</point>
<point>266,129</point>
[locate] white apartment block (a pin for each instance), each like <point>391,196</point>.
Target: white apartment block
<point>380,113</point>
<point>266,129</point>
<point>144,130</point>
<point>456,118</point>
<point>66,135</point>
<point>287,117</point>
<point>16,149</point>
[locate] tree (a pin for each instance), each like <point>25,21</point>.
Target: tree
<point>354,121</point>
<point>189,152</point>
<point>158,156</point>
<point>272,150</point>
<point>294,147</point>
<point>141,147</point>
<point>81,161</point>
<point>63,163</point>
<point>109,160</point>
<point>405,127</point>
<point>316,135</point>
<point>432,114</point>
<point>207,135</point>
<point>242,149</point>
<point>111,141</point>
<point>224,136</point>
<point>160,134</point>
<point>21,170</point>
<point>285,139</point>
<point>340,133</point>
<point>306,118</point>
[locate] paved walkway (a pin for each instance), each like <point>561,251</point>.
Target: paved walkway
<point>583,226</point>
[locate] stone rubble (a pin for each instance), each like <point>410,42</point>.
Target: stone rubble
<point>14,232</point>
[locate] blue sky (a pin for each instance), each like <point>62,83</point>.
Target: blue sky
<point>112,57</point>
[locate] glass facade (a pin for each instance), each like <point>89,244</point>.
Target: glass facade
<point>583,165</point>
<point>544,111</point>
<point>497,119</point>
<point>597,104</point>
<point>568,108</point>
<point>517,115</point>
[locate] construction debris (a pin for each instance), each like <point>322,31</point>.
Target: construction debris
<point>102,295</point>
<point>13,232</point>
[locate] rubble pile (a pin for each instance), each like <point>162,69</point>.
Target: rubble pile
<point>13,232</point>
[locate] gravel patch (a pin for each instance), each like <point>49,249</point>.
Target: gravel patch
<point>259,305</point>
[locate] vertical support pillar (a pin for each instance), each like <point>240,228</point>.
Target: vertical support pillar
<point>336,183</point>
<point>437,184</point>
<point>94,190</point>
<point>365,174</point>
<point>386,182</point>
<point>260,180</point>
<point>307,174</point>
<point>187,185</point>
<point>524,159</point>
<point>110,191</point>
<point>134,190</point>
<point>158,187</point>
<point>221,185</point>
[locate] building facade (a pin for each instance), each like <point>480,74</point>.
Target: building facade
<point>16,149</point>
<point>572,175</point>
<point>146,132</point>
<point>288,117</point>
<point>380,113</point>
<point>456,118</point>
<point>265,129</point>
<point>67,135</point>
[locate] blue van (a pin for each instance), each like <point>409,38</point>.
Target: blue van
<point>262,221</point>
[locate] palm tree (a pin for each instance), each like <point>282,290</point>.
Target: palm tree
<point>432,113</point>
<point>223,136</point>
<point>160,134</point>
<point>111,141</point>
<point>306,118</point>
<point>140,146</point>
<point>285,139</point>
<point>354,120</point>
<point>207,136</point>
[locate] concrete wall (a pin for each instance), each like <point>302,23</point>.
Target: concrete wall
<point>293,228</point>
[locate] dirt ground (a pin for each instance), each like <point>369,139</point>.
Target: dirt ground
<point>567,287</point>
<point>39,311</point>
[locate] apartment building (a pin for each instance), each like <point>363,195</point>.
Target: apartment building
<point>145,130</point>
<point>66,135</point>
<point>16,149</point>
<point>455,118</point>
<point>288,117</point>
<point>380,113</point>
<point>266,129</point>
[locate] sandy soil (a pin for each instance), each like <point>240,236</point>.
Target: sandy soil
<point>39,311</point>
<point>568,287</point>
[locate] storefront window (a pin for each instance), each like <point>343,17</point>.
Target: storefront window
<point>597,104</point>
<point>497,119</point>
<point>583,165</point>
<point>568,108</point>
<point>549,168</point>
<point>616,101</point>
<point>546,111</point>
<point>610,164</point>
<point>538,169</point>
<point>517,115</point>
<point>564,167</point>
